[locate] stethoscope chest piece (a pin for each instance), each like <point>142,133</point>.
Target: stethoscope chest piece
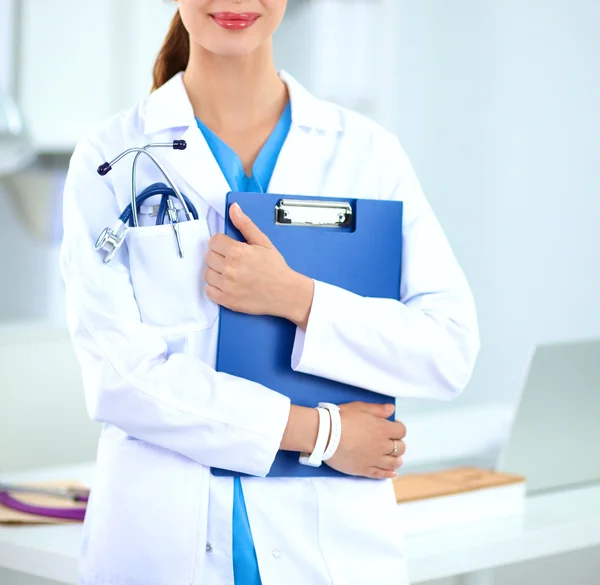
<point>110,240</point>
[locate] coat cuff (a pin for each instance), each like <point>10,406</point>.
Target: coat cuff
<point>312,351</point>
<point>274,414</point>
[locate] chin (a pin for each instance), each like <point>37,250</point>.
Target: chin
<point>234,47</point>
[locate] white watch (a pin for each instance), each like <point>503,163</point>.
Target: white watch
<point>315,458</point>
<point>336,429</point>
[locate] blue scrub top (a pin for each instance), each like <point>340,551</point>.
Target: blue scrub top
<point>245,564</point>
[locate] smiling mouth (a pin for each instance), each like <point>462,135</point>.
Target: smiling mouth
<point>235,20</point>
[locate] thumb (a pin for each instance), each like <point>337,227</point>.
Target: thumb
<point>248,228</point>
<point>380,410</point>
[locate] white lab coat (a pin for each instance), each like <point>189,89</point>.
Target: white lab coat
<point>145,334</point>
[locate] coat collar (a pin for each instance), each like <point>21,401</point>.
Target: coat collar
<point>169,107</point>
<point>168,111</point>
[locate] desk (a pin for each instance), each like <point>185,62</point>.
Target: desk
<point>552,524</point>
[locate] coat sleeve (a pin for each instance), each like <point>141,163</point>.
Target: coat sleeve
<point>174,401</point>
<point>422,346</point>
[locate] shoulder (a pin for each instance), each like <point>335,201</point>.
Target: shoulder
<point>311,111</point>
<point>101,144</point>
<point>374,149</point>
<point>150,120</point>
<point>361,135</point>
<point>120,131</point>
<point>354,123</point>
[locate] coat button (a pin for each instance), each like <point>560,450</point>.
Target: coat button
<point>276,553</point>
<point>208,547</point>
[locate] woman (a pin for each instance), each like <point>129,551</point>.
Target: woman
<point>145,327</point>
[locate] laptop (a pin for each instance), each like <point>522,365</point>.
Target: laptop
<point>555,436</point>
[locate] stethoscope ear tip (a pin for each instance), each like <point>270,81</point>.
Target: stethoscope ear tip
<point>104,169</point>
<point>179,144</point>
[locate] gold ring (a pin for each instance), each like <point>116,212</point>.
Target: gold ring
<point>395,449</point>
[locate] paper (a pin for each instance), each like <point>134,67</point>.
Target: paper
<point>10,516</point>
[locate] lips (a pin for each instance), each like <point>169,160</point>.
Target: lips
<point>235,20</point>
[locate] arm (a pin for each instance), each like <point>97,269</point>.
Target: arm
<point>423,346</point>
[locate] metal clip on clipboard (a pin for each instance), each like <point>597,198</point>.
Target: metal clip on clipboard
<point>313,213</point>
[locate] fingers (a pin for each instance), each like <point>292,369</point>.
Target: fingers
<point>375,453</point>
<point>391,463</point>
<point>215,294</point>
<point>395,429</point>
<point>248,228</point>
<point>379,473</point>
<point>213,278</point>
<point>400,449</point>
<point>390,460</point>
<point>223,245</point>
<point>389,448</point>
<point>379,410</point>
<point>215,261</point>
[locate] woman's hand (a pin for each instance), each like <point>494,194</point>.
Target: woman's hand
<point>367,439</point>
<point>253,277</point>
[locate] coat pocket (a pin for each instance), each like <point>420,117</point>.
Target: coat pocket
<point>366,546</point>
<point>170,290</point>
<point>143,517</point>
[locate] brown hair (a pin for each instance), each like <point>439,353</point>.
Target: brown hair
<point>174,54</point>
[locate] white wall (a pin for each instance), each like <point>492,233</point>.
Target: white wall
<point>499,114</point>
<point>335,52</point>
<point>43,420</point>
<point>6,44</point>
<point>115,44</point>
<point>25,268</point>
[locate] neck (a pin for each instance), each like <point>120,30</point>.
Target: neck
<point>234,92</point>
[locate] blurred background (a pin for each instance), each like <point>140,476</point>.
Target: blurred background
<point>496,104</point>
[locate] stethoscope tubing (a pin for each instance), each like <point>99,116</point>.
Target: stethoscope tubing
<point>75,514</point>
<point>134,177</point>
<point>152,190</point>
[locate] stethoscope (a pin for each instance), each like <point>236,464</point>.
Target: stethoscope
<point>79,495</point>
<point>111,239</point>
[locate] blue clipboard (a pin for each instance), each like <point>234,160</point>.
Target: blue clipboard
<point>362,253</point>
